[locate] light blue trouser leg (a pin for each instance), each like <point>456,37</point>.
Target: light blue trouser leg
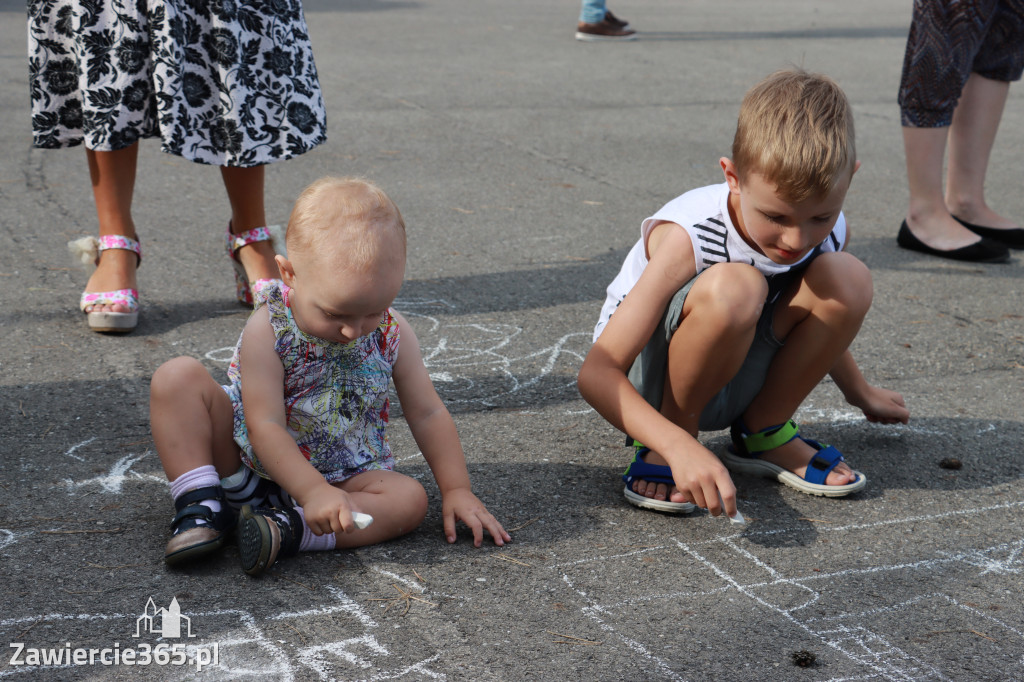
<point>593,11</point>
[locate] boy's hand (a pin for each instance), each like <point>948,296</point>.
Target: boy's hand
<point>882,406</point>
<point>328,510</point>
<point>460,504</point>
<point>701,478</point>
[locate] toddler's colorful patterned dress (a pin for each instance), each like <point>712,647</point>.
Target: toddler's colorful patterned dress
<point>336,395</point>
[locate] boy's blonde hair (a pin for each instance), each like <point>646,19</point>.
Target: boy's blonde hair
<point>348,217</point>
<point>795,129</point>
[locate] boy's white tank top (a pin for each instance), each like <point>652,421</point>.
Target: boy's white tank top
<point>704,214</point>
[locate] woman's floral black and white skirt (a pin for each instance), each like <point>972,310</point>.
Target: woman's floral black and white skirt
<point>225,82</point>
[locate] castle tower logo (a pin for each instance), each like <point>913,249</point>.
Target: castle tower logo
<point>164,622</point>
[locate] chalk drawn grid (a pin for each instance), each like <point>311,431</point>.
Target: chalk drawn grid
<point>867,640</point>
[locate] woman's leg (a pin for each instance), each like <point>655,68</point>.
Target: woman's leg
<point>944,40</point>
<point>975,123</point>
<point>927,215</point>
<point>113,186</point>
<point>245,193</point>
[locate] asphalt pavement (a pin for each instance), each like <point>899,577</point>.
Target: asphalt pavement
<point>523,162</point>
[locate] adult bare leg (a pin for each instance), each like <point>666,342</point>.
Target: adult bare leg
<point>113,186</point>
<point>245,189</point>
<point>975,123</point>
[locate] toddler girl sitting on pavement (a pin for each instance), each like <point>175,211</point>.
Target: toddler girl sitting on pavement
<point>298,435</point>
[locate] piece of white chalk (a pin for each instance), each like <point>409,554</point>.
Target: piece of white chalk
<point>361,520</point>
<point>737,519</point>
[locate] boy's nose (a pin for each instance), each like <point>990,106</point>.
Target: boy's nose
<point>796,243</point>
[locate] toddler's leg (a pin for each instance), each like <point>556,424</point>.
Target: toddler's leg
<point>191,421</point>
<point>397,503</point>
<point>818,319</point>
<point>718,323</point>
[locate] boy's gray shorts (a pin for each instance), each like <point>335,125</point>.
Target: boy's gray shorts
<point>648,371</point>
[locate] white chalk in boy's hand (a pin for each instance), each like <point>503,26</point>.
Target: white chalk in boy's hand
<point>737,519</point>
<point>361,520</point>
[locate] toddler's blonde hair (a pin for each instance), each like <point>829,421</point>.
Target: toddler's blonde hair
<point>795,129</point>
<point>348,217</point>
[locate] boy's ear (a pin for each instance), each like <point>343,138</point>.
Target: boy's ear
<point>287,271</point>
<point>731,175</point>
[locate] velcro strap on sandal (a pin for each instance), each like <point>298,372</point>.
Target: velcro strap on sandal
<point>770,438</point>
<point>652,473</point>
<point>193,512</point>
<point>210,492</point>
<point>822,464</point>
<point>292,540</point>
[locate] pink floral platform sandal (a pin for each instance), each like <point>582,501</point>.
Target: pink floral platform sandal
<point>87,250</point>
<point>246,292</point>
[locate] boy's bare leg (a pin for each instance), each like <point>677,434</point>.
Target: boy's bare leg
<point>245,193</point>
<point>718,324</point>
<point>113,186</point>
<point>397,503</point>
<point>975,122</point>
<point>191,419</point>
<point>818,319</point>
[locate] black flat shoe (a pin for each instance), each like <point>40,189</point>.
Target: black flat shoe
<point>984,251</point>
<point>1012,237</point>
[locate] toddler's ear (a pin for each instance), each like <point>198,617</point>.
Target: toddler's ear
<point>287,271</point>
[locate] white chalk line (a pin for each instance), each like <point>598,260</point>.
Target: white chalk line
<point>494,356</point>
<point>896,664</point>
<point>70,453</point>
<point>884,668</point>
<point>119,472</point>
<point>633,644</point>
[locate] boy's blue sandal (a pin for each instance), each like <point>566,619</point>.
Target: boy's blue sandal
<point>639,469</point>
<point>744,456</point>
<point>197,529</point>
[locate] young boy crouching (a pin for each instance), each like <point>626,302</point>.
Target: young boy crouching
<point>735,302</point>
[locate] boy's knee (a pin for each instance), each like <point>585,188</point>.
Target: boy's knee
<point>848,279</point>
<point>732,292</point>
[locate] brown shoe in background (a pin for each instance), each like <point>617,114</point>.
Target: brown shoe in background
<point>615,21</point>
<point>604,30</point>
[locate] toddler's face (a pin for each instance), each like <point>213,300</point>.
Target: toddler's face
<point>782,230</point>
<point>338,304</point>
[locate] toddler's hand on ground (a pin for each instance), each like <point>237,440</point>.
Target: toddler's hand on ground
<point>882,406</point>
<point>462,505</point>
